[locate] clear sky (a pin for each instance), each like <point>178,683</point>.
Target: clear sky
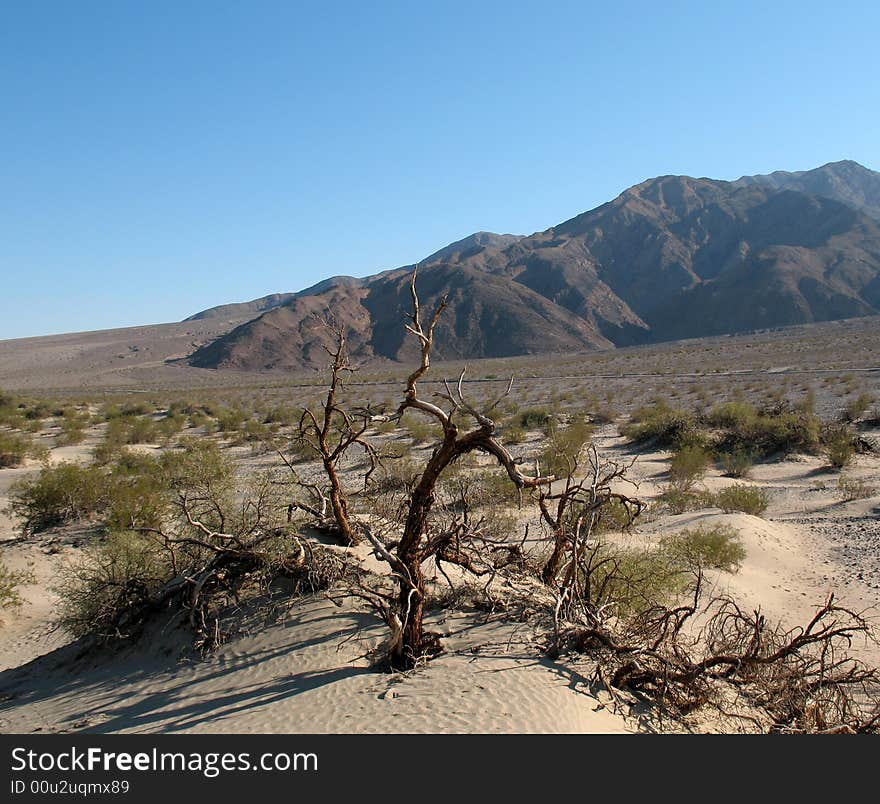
<point>160,158</point>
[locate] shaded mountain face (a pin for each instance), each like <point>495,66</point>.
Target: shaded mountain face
<point>845,181</point>
<point>673,257</point>
<point>487,316</point>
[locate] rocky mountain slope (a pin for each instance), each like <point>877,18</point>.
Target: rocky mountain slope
<point>673,257</point>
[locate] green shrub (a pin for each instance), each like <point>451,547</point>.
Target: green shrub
<point>14,448</point>
<point>747,499</point>
<point>779,429</point>
<point>715,547</point>
<point>513,433</point>
<point>850,488</point>
<point>560,456</point>
<point>737,464</point>
<point>680,501</point>
<point>858,407</point>
<point>419,429</point>
<point>535,418</point>
<point>839,446</point>
<point>10,580</point>
<point>632,580</point>
<point>614,517</point>
<point>136,493</point>
<point>37,411</point>
<point>688,465</point>
<point>61,493</point>
<point>119,575</point>
<point>141,431</point>
<point>230,420</point>
<point>659,422</point>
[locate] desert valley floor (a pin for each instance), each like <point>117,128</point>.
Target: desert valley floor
<point>303,664</point>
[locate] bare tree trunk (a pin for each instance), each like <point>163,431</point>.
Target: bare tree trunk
<point>554,563</point>
<point>339,505</point>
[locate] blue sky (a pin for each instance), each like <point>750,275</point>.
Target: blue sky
<point>157,159</point>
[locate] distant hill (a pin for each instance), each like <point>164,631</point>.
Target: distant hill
<point>243,309</point>
<point>673,257</point>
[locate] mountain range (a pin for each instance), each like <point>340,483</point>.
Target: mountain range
<point>673,257</point>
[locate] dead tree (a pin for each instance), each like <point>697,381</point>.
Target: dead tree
<point>802,679</point>
<point>209,552</point>
<point>405,610</point>
<point>329,435</point>
<point>574,512</point>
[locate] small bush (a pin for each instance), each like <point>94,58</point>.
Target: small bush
<point>688,464</point>
<point>747,499</point>
<point>230,420</point>
<point>716,547</point>
<point>850,488</point>
<point>632,580</point>
<point>737,464</point>
<point>419,429</point>
<point>560,456</point>
<point>614,517</point>
<point>667,426</point>
<point>535,418</point>
<point>858,407</point>
<point>14,448</point>
<point>680,501</point>
<point>121,574</point>
<point>840,447</point>
<point>136,493</point>
<point>10,580</point>
<point>61,493</point>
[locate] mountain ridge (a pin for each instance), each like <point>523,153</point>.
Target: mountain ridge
<point>671,257</point>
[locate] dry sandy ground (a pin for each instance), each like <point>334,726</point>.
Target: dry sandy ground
<point>308,671</point>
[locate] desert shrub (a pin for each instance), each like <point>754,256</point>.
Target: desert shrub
<point>560,456</point>
<point>121,574</point>
<point>513,433</point>
<point>614,516</point>
<point>136,492</point>
<point>535,418</point>
<point>169,426</point>
<point>10,581</point>
<point>688,465</point>
<point>109,411</point>
<point>419,429</point>
<point>747,499</point>
<point>659,422</point>
<point>491,487</point>
<point>284,415</point>
<point>716,547</point>
<point>61,493</point>
<point>839,446</point>
<point>738,463</point>
<point>603,414</point>
<point>858,407</point>
<point>230,420</point>
<point>200,467</point>
<point>631,580</point>
<point>395,474</point>
<point>141,431</point>
<point>37,411</point>
<point>135,408</point>
<point>10,414</point>
<point>851,488</point>
<point>680,501</point>
<point>778,429</point>
<point>72,429</point>
<point>14,448</point>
